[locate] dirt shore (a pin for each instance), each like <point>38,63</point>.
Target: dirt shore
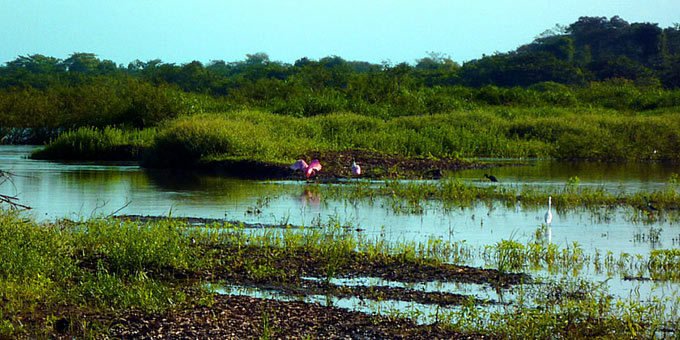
<point>336,165</point>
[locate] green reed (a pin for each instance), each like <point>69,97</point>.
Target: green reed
<point>450,193</point>
<point>572,308</point>
<point>596,134</point>
<point>103,265</point>
<point>88,143</point>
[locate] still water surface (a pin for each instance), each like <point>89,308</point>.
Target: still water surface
<point>81,190</point>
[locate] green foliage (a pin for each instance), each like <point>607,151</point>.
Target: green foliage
<point>110,291</point>
<point>128,248</point>
<point>594,62</point>
<point>99,101</point>
<point>108,267</point>
<point>663,264</point>
<point>252,135</point>
<point>28,250</point>
<point>98,144</point>
<point>508,133</point>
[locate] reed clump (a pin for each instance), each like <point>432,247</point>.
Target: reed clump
<point>106,267</point>
<point>595,134</point>
<point>87,143</point>
<point>449,193</point>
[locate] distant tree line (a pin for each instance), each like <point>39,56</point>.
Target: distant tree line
<point>593,61</point>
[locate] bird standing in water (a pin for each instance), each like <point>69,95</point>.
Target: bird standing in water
<point>356,169</point>
<point>492,178</point>
<point>548,215</point>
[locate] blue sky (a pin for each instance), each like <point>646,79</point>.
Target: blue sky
<point>375,31</point>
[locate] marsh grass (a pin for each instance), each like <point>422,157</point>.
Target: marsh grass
<point>100,265</point>
<point>572,308</point>
<point>412,197</point>
<point>88,143</point>
<point>131,249</point>
<point>95,266</point>
<point>664,264</point>
<point>539,255</point>
<point>595,134</point>
<point>511,255</point>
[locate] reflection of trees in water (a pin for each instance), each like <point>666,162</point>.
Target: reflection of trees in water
<point>214,187</point>
<point>102,178</point>
<point>174,179</point>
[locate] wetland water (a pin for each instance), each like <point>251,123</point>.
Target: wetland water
<point>78,190</point>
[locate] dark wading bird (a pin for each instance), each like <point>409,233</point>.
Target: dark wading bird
<point>492,178</point>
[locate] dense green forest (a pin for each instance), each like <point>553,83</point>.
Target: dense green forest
<point>594,61</point>
<point>599,89</point>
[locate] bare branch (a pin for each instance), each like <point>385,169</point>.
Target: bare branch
<point>12,201</point>
<point>127,202</point>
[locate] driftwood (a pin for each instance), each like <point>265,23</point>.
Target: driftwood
<point>12,201</point>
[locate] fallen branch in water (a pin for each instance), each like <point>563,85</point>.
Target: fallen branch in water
<point>12,201</point>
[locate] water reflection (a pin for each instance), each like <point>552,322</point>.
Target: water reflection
<point>632,176</point>
<point>57,190</point>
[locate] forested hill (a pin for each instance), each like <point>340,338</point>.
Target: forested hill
<point>590,49</point>
<point>609,54</point>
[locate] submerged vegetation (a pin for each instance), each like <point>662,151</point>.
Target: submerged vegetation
<point>76,278</point>
<point>450,193</point>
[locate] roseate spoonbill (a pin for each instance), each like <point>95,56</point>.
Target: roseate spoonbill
<point>309,170</point>
<point>300,164</point>
<point>356,169</point>
<point>492,178</point>
<point>548,214</point>
<point>313,168</point>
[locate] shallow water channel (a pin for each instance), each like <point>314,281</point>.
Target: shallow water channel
<point>81,190</point>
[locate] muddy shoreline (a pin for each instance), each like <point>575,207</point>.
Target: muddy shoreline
<point>242,317</point>
<point>336,166</point>
<point>207,313</point>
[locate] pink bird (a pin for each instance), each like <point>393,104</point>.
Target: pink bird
<point>309,170</point>
<point>300,164</point>
<point>313,168</point>
<point>356,169</point>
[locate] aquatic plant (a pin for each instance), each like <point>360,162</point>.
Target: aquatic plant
<point>489,132</point>
<point>566,309</point>
<point>88,143</point>
<point>102,266</point>
<point>413,197</point>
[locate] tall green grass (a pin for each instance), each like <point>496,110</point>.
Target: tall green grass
<point>511,133</point>
<point>597,134</point>
<point>109,267</point>
<point>88,143</point>
<point>251,135</point>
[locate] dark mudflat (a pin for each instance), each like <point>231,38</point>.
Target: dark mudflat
<point>242,317</point>
<point>336,165</point>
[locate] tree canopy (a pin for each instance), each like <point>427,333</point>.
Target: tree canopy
<point>83,89</point>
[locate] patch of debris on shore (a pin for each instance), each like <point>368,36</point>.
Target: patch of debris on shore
<point>242,317</point>
<point>336,165</point>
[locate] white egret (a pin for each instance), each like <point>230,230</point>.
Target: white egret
<point>356,169</point>
<point>548,214</point>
